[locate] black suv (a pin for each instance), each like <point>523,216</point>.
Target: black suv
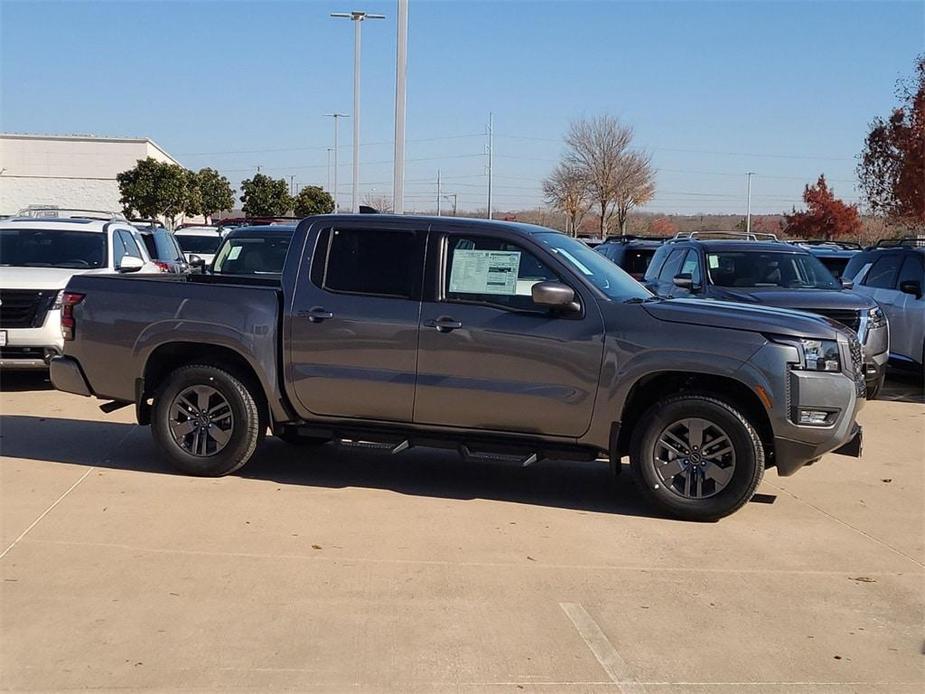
<point>835,255</point>
<point>740,267</point>
<point>893,274</point>
<point>632,253</point>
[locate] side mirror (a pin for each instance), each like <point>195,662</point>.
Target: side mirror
<point>555,295</point>
<point>847,284</point>
<point>130,263</point>
<point>685,281</point>
<point>913,287</point>
<point>196,263</point>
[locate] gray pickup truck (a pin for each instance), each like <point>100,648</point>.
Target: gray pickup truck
<point>487,337</point>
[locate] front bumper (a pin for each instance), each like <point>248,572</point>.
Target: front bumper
<point>32,348</point>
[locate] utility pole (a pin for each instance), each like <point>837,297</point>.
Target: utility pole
<point>336,116</point>
<point>291,185</point>
<point>491,130</point>
<point>330,149</point>
<point>357,17</point>
<point>748,211</point>
<point>438,192</point>
<point>454,196</point>
<point>401,73</point>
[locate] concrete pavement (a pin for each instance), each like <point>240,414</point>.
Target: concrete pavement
<point>344,569</point>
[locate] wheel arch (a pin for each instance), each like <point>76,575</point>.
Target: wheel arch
<point>652,387</point>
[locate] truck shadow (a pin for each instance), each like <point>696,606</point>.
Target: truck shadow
<point>417,472</point>
<point>903,386</point>
<point>23,381</point>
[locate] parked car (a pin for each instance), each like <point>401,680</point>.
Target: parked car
<point>39,254</point>
<point>891,273</point>
<point>483,336</point>
<point>164,251</point>
<point>254,250</point>
<point>740,268</point>
<point>632,253</point>
<point>833,254</point>
<point>199,242</point>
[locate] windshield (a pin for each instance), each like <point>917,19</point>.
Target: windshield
<point>594,267</point>
<point>247,255</point>
<point>199,244</point>
<point>769,269</point>
<point>52,248</point>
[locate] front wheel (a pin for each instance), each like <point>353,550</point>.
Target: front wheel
<point>873,389</point>
<point>206,421</point>
<point>696,457</point>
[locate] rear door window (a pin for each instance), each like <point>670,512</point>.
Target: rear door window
<point>883,273</point>
<point>377,262</point>
<point>911,270</point>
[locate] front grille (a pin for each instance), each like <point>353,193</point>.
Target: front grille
<point>857,367</point>
<point>850,319</point>
<point>24,308</point>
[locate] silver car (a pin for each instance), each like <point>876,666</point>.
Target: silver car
<point>893,274</point>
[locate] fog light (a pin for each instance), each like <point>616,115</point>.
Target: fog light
<point>814,417</point>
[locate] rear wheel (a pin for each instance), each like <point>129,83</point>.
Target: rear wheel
<point>696,457</point>
<point>206,421</point>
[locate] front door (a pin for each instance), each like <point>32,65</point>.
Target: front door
<point>489,358</point>
<point>353,326</point>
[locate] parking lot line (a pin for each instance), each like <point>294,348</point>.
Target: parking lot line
<point>615,667</point>
<point>46,512</point>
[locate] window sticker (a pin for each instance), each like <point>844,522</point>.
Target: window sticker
<point>713,261</point>
<point>235,252</point>
<point>484,272</point>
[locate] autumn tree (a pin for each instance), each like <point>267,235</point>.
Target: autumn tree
<point>617,177</point>
<point>264,196</point>
<point>662,226</point>
<point>313,200</point>
<point>892,166</point>
<point>825,217</point>
<point>567,191</point>
<point>215,193</point>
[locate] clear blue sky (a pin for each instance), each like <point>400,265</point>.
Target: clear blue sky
<point>784,89</point>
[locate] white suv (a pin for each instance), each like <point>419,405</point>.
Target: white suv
<point>38,256</point>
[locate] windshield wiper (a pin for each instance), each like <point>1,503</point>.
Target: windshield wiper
<point>641,299</point>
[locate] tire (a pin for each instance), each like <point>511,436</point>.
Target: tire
<point>721,482</point>
<point>235,428</point>
<point>294,438</point>
<point>873,389</point>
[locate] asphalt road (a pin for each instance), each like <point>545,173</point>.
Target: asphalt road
<point>344,569</point>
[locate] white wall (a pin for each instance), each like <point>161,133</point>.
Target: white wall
<point>67,172</point>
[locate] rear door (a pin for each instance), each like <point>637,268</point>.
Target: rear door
<point>353,324</point>
<point>489,358</point>
<point>907,313</point>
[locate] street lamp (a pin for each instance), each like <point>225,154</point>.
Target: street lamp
<point>357,17</point>
<point>336,116</point>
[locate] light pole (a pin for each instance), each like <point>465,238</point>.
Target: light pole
<point>336,116</point>
<point>357,17</point>
<point>330,149</point>
<point>401,72</point>
<point>491,143</point>
<point>438,192</point>
<point>748,209</point>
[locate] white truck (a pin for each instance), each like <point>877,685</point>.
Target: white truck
<point>39,254</point>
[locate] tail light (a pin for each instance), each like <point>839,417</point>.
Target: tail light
<point>68,301</point>
<point>162,266</point>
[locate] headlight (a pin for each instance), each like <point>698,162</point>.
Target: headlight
<point>876,318</point>
<point>58,299</point>
<point>820,355</point>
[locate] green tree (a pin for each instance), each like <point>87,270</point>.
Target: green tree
<point>313,200</point>
<point>156,189</point>
<point>215,193</point>
<point>265,197</point>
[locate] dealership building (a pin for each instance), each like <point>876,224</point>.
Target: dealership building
<point>68,171</point>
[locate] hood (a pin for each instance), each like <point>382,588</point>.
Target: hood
<point>41,277</point>
<point>802,299</point>
<point>735,316</point>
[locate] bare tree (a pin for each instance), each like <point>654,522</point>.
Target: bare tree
<point>382,203</point>
<point>635,185</point>
<point>567,191</point>
<point>617,177</point>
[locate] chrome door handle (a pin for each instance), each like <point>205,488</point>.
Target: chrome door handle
<point>443,324</point>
